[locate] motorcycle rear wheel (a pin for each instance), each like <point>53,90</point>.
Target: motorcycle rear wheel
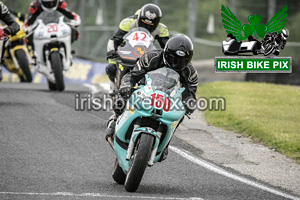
<point>24,64</point>
<point>141,156</point>
<point>57,68</point>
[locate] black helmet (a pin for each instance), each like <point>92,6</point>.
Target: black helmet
<point>149,17</point>
<point>49,4</point>
<point>178,52</point>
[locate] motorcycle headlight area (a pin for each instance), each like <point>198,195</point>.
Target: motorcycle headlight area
<point>141,99</point>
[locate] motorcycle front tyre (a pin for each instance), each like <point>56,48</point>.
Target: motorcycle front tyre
<point>56,63</point>
<point>24,64</point>
<point>269,49</point>
<point>141,156</point>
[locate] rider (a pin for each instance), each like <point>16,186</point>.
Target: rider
<point>12,28</point>
<point>279,37</point>
<point>38,6</point>
<point>147,17</point>
<point>176,55</point>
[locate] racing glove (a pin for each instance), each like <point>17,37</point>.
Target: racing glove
<point>111,54</point>
<point>6,31</point>
<point>3,33</point>
<point>189,105</point>
<point>76,21</point>
<point>21,16</point>
<point>125,90</point>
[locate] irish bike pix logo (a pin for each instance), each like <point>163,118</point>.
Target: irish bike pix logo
<point>254,47</point>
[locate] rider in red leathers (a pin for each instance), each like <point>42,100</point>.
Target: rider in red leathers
<point>39,6</point>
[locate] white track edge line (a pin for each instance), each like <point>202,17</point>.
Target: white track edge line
<point>223,172</point>
<point>70,194</point>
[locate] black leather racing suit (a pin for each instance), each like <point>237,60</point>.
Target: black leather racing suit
<point>148,62</point>
<point>13,27</point>
<point>153,60</point>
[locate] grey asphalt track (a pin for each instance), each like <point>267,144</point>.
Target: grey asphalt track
<point>50,151</point>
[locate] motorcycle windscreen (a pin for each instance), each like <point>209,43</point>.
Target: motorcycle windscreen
<point>164,79</point>
<point>50,17</point>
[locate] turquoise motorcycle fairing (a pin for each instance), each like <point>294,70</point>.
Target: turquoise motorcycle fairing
<point>155,109</point>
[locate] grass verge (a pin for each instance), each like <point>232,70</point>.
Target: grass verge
<point>267,113</point>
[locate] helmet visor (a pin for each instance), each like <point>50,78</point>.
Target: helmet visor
<point>49,4</point>
<point>150,25</point>
<point>178,63</point>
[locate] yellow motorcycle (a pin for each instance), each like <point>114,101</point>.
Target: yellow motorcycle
<point>17,56</point>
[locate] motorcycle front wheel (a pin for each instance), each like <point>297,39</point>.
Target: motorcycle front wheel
<point>57,68</point>
<point>139,162</point>
<point>24,64</point>
<point>269,49</point>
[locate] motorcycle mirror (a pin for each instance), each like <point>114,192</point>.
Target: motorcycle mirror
<point>178,92</point>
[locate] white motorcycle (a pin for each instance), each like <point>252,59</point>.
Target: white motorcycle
<point>52,47</point>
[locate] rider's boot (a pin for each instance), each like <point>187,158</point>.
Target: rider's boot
<point>34,63</point>
<point>164,154</point>
<point>113,88</point>
<point>111,125</point>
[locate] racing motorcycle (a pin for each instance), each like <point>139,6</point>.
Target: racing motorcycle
<point>146,126</point>
<point>271,45</point>
<point>17,56</point>
<point>136,42</point>
<point>52,47</point>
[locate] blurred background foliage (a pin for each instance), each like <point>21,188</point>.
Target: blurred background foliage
<point>201,20</point>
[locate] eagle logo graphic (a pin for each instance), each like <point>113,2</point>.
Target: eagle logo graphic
<point>254,28</point>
